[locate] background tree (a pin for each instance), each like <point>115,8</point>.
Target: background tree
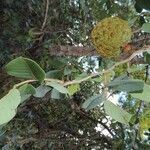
<point>42,30</point>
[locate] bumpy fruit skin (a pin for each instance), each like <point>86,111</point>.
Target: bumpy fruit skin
<point>109,35</point>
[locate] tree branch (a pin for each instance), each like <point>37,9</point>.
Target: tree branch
<point>71,51</point>
<point>144,49</point>
<point>59,50</point>
<point>46,14</point>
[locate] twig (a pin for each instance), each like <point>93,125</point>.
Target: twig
<point>46,14</point>
<point>24,82</point>
<point>30,81</point>
<point>54,80</point>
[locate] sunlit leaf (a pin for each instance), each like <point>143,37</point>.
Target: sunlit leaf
<point>144,121</point>
<point>41,91</point>
<point>116,112</point>
<point>25,68</point>
<point>136,68</point>
<point>73,88</point>
<point>145,95</point>
<point>26,91</point>
<point>146,27</point>
<point>8,105</point>
<point>55,94</point>
<point>58,87</point>
<point>127,85</point>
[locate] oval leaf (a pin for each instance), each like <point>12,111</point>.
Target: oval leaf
<point>73,88</point>
<point>55,74</point>
<point>41,91</point>
<point>58,87</point>
<point>116,112</point>
<point>25,68</point>
<point>81,76</point>
<point>92,102</point>
<point>145,95</point>
<point>8,105</point>
<point>26,91</point>
<point>127,85</point>
<point>146,27</point>
<point>55,94</point>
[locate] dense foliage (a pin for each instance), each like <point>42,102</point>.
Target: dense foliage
<point>64,101</point>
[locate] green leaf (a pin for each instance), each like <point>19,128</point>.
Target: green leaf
<point>82,3</point>
<point>41,91</point>
<point>73,88</point>
<point>107,77</point>
<point>25,68</point>
<point>145,95</point>
<point>55,74</point>
<point>116,112</point>
<point>144,121</point>
<point>55,94</point>
<point>92,102</point>
<point>58,63</point>
<point>26,91</point>
<point>8,105</point>
<point>132,21</point>
<point>81,76</point>
<point>136,68</point>
<point>146,57</point>
<point>58,87</point>
<point>127,85</point>
<point>146,27</point>
<point>67,71</point>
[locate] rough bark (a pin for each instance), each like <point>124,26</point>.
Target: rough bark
<point>72,51</point>
<point>60,50</point>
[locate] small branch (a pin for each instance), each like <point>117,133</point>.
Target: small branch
<point>81,80</point>
<point>30,81</point>
<point>54,80</point>
<point>46,14</point>
<point>24,82</point>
